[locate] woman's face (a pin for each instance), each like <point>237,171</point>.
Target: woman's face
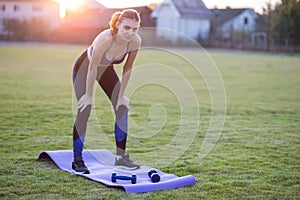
<point>127,28</point>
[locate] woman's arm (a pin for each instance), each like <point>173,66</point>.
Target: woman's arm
<point>98,51</point>
<point>127,69</point>
<point>92,69</point>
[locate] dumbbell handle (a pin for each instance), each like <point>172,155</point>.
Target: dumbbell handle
<point>124,177</point>
<point>114,178</point>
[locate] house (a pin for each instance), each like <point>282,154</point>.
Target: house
<point>233,25</point>
<point>190,17</point>
<point>84,25</point>
<point>26,10</point>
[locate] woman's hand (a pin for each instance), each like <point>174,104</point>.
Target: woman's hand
<point>84,102</point>
<point>123,101</point>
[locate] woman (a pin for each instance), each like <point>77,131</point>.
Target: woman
<point>96,64</point>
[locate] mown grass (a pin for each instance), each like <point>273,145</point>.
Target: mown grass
<point>256,157</point>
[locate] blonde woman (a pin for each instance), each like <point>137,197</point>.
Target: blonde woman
<point>118,44</point>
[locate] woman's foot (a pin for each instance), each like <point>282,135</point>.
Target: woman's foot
<point>124,162</point>
<point>78,167</point>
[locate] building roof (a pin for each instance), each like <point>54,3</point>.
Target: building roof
<point>220,16</point>
<point>89,19</point>
<point>186,8</point>
<point>191,8</point>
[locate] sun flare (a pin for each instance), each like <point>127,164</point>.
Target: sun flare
<point>68,5</point>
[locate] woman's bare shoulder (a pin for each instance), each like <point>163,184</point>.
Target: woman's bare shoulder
<point>103,38</point>
<point>135,43</point>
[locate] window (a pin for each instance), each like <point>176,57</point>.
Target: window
<point>246,20</point>
<point>16,8</point>
<point>3,7</point>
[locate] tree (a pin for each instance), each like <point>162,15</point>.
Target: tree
<point>37,29</point>
<point>295,15</point>
<point>13,29</point>
<point>265,22</point>
<point>34,30</point>
<point>286,21</point>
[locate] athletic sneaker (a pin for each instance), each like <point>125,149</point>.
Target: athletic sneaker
<point>79,167</point>
<point>124,162</point>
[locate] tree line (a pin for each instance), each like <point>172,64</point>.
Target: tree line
<point>35,29</point>
<point>282,23</point>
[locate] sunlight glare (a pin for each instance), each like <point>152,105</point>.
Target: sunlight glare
<point>68,5</point>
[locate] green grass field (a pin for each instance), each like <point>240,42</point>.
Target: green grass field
<point>256,156</point>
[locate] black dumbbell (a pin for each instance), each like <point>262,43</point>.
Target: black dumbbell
<point>114,178</point>
<point>153,175</point>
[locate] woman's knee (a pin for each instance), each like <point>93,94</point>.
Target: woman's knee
<point>123,110</point>
<point>84,115</point>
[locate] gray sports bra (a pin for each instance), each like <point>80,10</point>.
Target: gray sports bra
<point>104,60</point>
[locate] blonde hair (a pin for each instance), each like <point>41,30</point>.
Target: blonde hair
<point>119,16</point>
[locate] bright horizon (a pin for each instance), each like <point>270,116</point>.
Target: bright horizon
<point>257,5</point>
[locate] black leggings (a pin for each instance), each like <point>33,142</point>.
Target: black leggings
<point>110,84</point>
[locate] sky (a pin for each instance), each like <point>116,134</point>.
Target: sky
<point>255,4</point>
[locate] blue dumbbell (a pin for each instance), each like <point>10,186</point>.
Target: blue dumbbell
<point>153,175</point>
<point>114,178</point>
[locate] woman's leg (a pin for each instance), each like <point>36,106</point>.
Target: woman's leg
<point>110,84</point>
<point>79,84</point>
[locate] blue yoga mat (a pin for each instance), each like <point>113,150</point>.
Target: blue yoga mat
<point>101,166</point>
